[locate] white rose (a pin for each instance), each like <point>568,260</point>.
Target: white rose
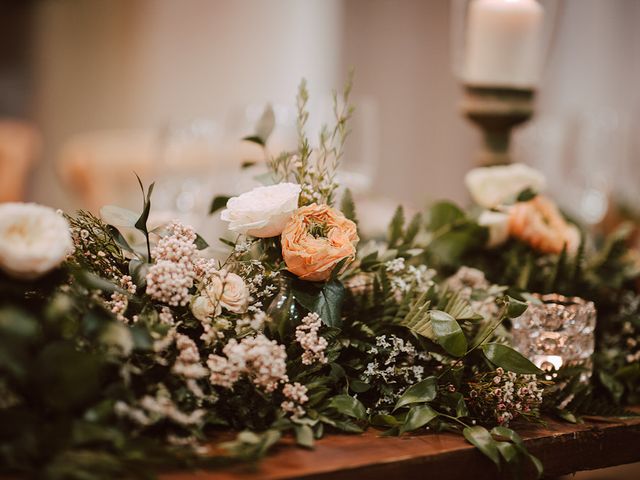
<point>498,225</point>
<point>262,212</point>
<point>34,239</point>
<point>493,186</point>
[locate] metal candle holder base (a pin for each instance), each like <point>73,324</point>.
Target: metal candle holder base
<point>496,111</point>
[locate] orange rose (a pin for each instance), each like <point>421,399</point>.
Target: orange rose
<point>315,239</point>
<point>539,223</point>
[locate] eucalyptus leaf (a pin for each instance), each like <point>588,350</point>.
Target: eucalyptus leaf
<point>421,392</point>
<point>118,216</point>
<point>509,359</point>
<point>448,333</point>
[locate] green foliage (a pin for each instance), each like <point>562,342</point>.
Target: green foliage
<point>506,357</point>
<point>348,206</point>
<point>325,299</point>
<point>421,392</point>
<point>141,223</point>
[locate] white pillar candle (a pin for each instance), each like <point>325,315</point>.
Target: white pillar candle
<point>503,43</point>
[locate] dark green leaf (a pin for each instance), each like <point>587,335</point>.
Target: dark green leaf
<point>515,308</point>
<point>421,392</point>
<point>218,203</point>
<point>119,238</point>
<point>481,438</point>
<point>417,417</point>
<point>526,195</point>
<point>141,223</point>
<point>509,359</point>
<point>385,421</point>
<point>348,426</point>
<point>508,451</point>
<point>359,386</point>
<point>254,139</point>
<point>504,433</point>
<point>326,301</point>
<point>349,406</point>
<point>448,333</point>
<point>200,242</point>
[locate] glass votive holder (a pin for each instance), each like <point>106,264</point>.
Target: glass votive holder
<point>557,331</point>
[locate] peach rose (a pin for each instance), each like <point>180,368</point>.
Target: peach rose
<point>315,239</point>
<point>539,223</point>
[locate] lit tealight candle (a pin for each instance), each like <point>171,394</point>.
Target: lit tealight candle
<point>503,43</point>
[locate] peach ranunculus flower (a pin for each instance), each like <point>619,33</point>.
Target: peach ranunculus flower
<point>539,223</point>
<point>315,239</point>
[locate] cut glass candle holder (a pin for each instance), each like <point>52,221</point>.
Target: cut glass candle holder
<point>557,331</point>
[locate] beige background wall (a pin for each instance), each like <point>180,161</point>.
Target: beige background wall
<point>140,63</point>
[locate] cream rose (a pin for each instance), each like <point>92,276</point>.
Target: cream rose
<point>235,294</point>
<point>316,238</point>
<point>262,212</point>
<point>34,239</point>
<point>223,290</point>
<point>491,187</point>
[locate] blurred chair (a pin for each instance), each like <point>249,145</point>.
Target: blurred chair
<point>20,144</point>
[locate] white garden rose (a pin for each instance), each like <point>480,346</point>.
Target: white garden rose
<point>498,225</point>
<point>34,239</point>
<point>262,212</point>
<point>491,187</point>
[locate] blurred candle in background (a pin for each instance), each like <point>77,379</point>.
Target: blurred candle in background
<point>503,43</point>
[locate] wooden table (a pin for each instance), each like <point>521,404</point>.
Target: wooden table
<point>562,447</point>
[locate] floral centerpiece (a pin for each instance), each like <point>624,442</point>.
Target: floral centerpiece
<point>127,348</point>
